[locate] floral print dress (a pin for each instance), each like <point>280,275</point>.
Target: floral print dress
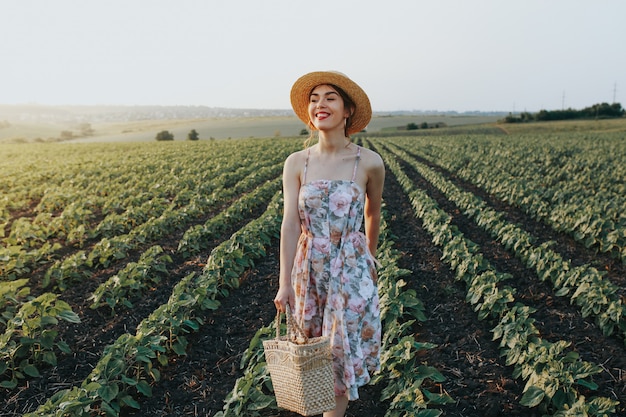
<point>334,279</point>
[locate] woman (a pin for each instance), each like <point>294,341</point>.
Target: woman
<point>327,267</point>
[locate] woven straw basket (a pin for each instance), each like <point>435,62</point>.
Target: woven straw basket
<point>301,370</point>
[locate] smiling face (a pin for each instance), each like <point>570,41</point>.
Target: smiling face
<point>327,111</point>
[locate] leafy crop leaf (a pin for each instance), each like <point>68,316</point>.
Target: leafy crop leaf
<point>109,410</point>
<point>532,397</point>
<point>8,384</point>
<point>69,316</point>
<point>129,381</point>
<point>587,384</point>
<point>31,370</point>
<point>144,388</point>
<point>108,392</point>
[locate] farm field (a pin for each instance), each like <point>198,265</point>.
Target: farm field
<point>136,278</point>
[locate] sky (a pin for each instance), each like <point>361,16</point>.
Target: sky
<point>446,55</point>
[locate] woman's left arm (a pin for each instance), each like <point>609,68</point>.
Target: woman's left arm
<point>373,200</point>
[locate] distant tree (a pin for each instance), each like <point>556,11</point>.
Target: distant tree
<point>304,132</point>
<point>67,134</point>
<point>164,135</point>
<point>597,111</point>
<point>424,125</point>
<point>86,129</point>
<point>526,116</point>
<point>604,110</point>
<point>412,126</point>
<point>193,135</point>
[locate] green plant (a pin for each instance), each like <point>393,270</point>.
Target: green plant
<point>133,280</point>
<point>66,271</point>
<point>30,338</point>
<point>11,295</point>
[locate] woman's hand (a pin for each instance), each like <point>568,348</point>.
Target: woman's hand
<point>283,297</point>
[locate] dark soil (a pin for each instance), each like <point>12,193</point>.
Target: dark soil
<point>477,378</point>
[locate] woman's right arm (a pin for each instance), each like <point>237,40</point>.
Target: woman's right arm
<point>289,231</point>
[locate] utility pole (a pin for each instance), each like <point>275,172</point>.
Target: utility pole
<point>563,101</point>
<point>614,92</point>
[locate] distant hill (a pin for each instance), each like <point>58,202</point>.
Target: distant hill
<point>113,114</point>
<point>108,114</point>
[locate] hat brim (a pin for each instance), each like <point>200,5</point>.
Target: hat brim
<point>301,91</point>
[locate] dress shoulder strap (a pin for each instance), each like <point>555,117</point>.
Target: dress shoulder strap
<point>356,162</point>
<point>306,165</point>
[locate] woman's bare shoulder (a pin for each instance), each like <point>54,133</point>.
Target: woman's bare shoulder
<point>371,159</point>
<point>296,157</point>
<point>295,161</point>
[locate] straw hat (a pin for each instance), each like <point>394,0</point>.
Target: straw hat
<point>301,91</point>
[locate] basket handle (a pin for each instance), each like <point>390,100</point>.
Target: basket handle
<point>294,331</point>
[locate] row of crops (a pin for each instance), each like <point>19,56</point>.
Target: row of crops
<point>551,373</point>
<point>126,215</point>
